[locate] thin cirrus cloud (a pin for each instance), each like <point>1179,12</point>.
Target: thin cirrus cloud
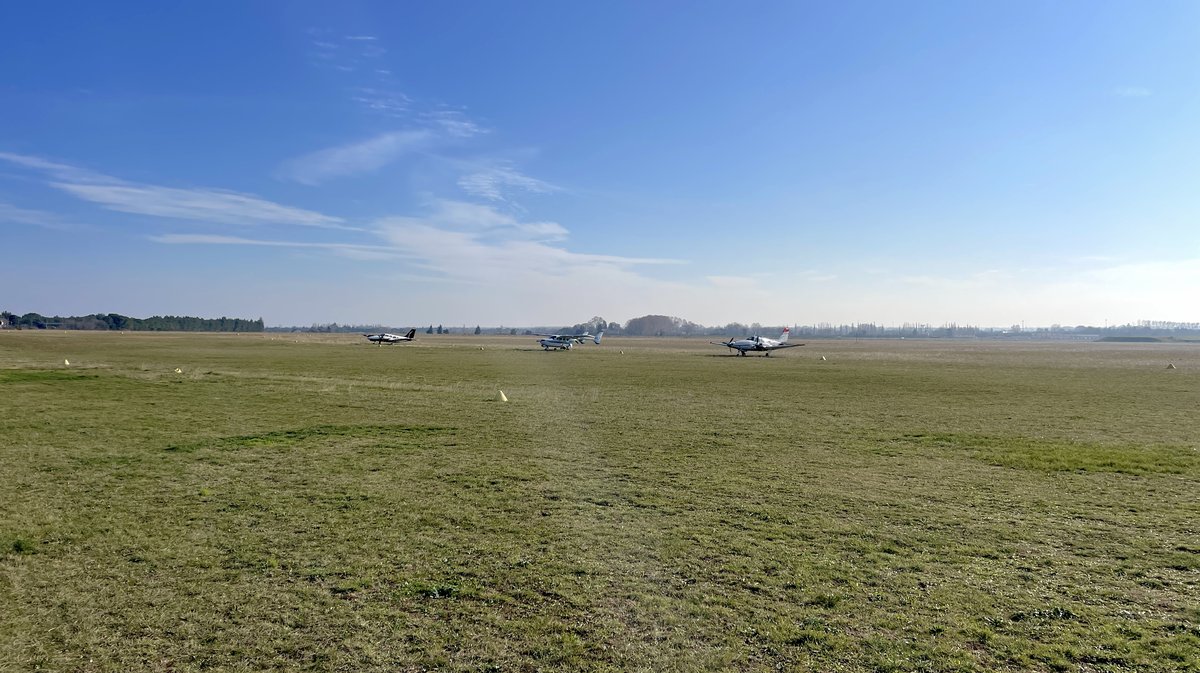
<point>352,250</point>
<point>494,183</point>
<point>348,53</point>
<point>488,222</point>
<point>196,204</point>
<point>453,123</point>
<point>467,255</point>
<point>60,171</point>
<point>355,158</point>
<point>461,241</point>
<point>38,218</point>
<point>206,205</point>
<point>359,60</point>
<point>477,242</point>
<point>384,101</point>
<point>504,277</point>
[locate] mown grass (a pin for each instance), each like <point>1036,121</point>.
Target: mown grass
<point>305,503</point>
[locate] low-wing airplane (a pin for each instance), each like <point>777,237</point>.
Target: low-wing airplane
<point>386,338</point>
<point>566,341</point>
<point>757,343</point>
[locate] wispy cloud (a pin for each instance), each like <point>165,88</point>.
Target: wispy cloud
<point>197,204</point>
<point>494,183</point>
<point>352,250</point>
<point>463,242</point>
<point>384,101</point>
<point>362,66</point>
<point>454,123</point>
<point>471,241</point>
<point>487,221</point>
<point>428,126</point>
<point>59,170</point>
<point>207,205</point>
<point>39,218</point>
<point>346,52</point>
<point>513,278</point>
<point>467,215</point>
<point>361,62</point>
<point>359,157</point>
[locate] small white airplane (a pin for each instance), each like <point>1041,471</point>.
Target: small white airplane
<point>386,338</point>
<point>566,341</point>
<point>758,343</point>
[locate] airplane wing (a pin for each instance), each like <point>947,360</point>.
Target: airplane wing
<point>775,348</point>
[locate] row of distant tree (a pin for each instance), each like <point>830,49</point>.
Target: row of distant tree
<point>116,321</point>
<point>650,325</point>
<point>663,325</point>
<point>957,331</point>
<point>647,325</point>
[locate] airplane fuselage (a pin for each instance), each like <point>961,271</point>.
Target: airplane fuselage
<point>552,342</point>
<point>388,338</point>
<point>556,344</point>
<point>757,344</point>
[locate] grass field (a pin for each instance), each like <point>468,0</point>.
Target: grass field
<point>317,503</point>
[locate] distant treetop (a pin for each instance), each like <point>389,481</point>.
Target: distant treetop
<point>116,321</point>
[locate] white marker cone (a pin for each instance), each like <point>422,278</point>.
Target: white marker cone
<point>178,370</point>
<point>66,362</point>
<point>500,397</point>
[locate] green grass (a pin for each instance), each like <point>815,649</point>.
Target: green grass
<point>315,503</point>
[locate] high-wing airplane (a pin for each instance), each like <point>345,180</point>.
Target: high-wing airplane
<point>386,338</point>
<point>757,343</point>
<point>566,341</point>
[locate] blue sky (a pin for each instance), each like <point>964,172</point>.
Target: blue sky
<point>543,162</point>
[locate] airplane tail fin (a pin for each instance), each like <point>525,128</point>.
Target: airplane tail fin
<point>784,337</point>
<point>411,333</point>
<point>597,337</point>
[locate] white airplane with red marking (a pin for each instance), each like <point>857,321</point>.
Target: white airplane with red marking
<point>754,344</point>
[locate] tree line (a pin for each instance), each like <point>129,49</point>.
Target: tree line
<point>116,321</point>
<point>647,325</point>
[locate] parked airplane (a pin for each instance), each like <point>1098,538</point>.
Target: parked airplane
<point>386,338</point>
<point>757,343</point>
<point>566,341</point>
